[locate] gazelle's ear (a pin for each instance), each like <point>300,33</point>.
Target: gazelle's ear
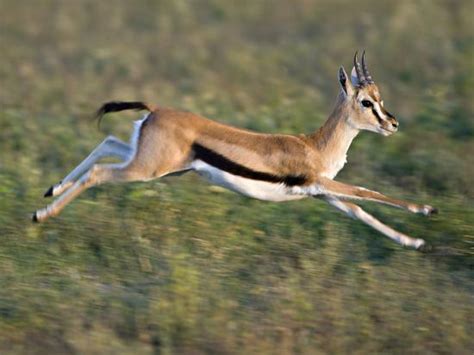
<point>354,78</point>
<point>346,84</point>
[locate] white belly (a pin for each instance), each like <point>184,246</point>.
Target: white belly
<point>261,190</point>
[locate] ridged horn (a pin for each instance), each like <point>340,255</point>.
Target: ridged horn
<point>358,68</point>
<point>365,69</point>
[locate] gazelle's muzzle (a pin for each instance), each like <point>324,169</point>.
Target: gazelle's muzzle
<point>389,126</point>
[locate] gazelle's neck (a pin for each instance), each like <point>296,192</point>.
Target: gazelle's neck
<point>334,138</point>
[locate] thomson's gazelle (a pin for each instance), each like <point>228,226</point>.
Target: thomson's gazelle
<point>272,167</point>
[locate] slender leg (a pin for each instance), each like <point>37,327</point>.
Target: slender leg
<point>98,174</point>
<point>344,191</point>
<point>111,146</point>
<point>356,212</point>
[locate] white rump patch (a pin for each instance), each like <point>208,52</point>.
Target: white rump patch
<point>137,126</point>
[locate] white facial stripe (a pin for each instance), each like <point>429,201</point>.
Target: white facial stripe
<point>379,111</point>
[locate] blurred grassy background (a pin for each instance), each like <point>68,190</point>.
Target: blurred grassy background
<point>176,266</point>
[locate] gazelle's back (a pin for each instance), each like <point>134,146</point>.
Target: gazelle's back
<point>272,153</point>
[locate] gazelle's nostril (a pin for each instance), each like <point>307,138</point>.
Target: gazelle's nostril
<point>395,124</point>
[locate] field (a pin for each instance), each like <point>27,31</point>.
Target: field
<point>178,266</point>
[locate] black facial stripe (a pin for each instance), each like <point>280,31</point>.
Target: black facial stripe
<point>374,111</point>
<point>387,113</point>
<point>219,161</point>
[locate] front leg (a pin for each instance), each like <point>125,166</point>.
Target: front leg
<point>343,191</point>
<point>356,212</point>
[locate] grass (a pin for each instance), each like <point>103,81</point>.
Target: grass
<point>178,266</point>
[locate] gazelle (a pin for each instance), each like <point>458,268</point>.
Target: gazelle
<point>271,167</point>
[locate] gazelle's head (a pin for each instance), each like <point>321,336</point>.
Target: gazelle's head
<point>362,98</point>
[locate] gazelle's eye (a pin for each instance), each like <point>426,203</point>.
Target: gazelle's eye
<point>367,103</point>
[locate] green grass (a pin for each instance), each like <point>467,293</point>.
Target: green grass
<point>178,266</point>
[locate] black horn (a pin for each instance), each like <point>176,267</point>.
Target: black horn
<point>358,68</point>
<point>367,76</point>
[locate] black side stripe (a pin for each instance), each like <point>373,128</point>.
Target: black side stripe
<point>219,161</point>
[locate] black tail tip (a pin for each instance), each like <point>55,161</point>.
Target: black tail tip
<point>49,193</point>
<point>34,218</point>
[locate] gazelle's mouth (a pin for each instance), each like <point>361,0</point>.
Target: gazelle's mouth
<point>387,131</point>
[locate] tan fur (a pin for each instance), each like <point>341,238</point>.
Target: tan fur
<point>171,132</point>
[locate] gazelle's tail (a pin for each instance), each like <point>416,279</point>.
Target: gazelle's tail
<point>116,106</point>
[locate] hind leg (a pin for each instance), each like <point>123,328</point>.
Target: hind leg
<point>98,174</point>
<point>110,147</point>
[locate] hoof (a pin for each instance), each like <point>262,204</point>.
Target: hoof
<point>429,211</point>
<point>49,193</point>
<point>426,248</point>
<point>419,244</point>
<point>34,218</point>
